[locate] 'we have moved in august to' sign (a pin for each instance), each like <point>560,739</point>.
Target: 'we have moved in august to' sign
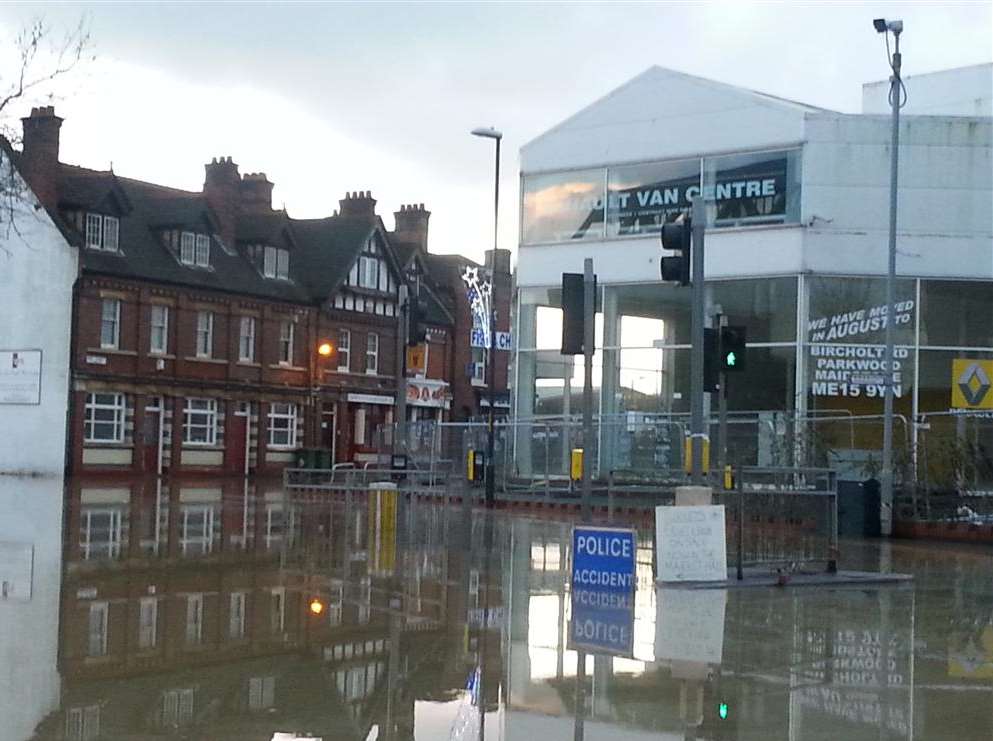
<point>691,543</point>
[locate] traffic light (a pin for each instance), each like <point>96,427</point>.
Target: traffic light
<point>733,349</point>
<point>572,313</point>
<point>416,331</point>
<point>676,237</point>
<point>711,361</point>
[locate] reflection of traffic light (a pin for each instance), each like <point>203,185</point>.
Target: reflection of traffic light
<point>720,719</point>
<point>676,237</point>
<point>733,349</point>
<point>316,606</point>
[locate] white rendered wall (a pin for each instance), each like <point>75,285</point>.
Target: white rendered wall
<point>945,196</point>
<point>37,272</point>
<point>965,91</point>
<point>31,515</point>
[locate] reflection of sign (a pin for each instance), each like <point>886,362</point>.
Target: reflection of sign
<point>602,558</point>
<point>383,527</point>
<point>689,624</point>
<point>16,560</point>
<point>691,543</point>
<point>970,656</point>
<point>428,393</point>
<point>971,384</point>
<point>493,617</point>
<point>20,376</point>
<point>602,622</point>
<point>855,370</point>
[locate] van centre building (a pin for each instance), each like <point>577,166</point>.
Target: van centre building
<point>796,252</point>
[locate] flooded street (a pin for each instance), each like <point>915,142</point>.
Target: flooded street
<point>234,610</point>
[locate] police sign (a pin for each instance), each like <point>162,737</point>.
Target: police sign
<point>603,558</point>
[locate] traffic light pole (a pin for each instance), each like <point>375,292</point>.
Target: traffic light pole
<point>589,337</point>
<point>697,434</point>
<point>722,418</point>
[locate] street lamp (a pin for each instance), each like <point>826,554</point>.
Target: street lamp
<point>897,98</point>
<point>496,136</point>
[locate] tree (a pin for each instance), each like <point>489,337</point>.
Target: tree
<point>42,57</point>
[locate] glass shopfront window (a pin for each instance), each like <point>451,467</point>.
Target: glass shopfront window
<point>956,313</point>
<point>752,189</point>
<point>562,207</point>
<point>632,200</point>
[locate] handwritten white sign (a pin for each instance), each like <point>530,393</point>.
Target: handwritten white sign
<point>691,543</point>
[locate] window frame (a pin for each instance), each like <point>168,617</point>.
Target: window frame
<point>193,631</point>
<point>205,349</point>
<point>209,424</point>
<point>269,261</point>
<point>96,645</point>
<point>115,343</point>
<point>163,327</point>
<point>201,249</point>
<point>148,630</point>
<point>249,337</point>
<point>105,241</point>
<point>372,354</point>
<point>287,333</point>
<point>93,231</point>
<point>286,413</point>
<point>119,408</point>
<point>187,248</point>
<point>241,599</point>
<point>344,350</point>
<point>282,264</point>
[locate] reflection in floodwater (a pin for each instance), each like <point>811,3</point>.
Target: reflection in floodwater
<point>187,611</point>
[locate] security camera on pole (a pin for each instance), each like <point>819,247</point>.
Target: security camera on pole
<point>898,97</point>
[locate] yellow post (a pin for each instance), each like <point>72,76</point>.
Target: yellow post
<point>688,455</point>
<point>576,464</point>
<point>470,465</point>
<point>728,478</point>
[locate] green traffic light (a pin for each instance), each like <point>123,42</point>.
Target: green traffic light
<point>731,359</point>
<point>722,710</point>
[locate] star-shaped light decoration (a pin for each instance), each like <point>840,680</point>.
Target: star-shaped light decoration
<point>479,290</point>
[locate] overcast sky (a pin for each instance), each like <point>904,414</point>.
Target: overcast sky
<point>328,98</point>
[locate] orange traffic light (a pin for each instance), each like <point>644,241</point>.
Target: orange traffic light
<point>316,606</point>
<point>325,349</point>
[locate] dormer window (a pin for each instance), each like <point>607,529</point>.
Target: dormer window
<point>276,263</point>
<point>194,249</point>
<point>102,232</point>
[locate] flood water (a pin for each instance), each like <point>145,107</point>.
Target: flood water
<point>233,610</point>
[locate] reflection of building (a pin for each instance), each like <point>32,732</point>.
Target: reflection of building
<point>796,252</point>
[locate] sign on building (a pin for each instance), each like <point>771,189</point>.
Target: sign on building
<point>971,384</point>
<point>20,376</point>
<point>691,543</point>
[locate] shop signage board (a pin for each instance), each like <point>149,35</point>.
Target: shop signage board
<point>602,622</point>
<point>603,558</point>
<point>691,543</point>
<point>501,340</point>
<point>972,383</point>
<point>20,376</point>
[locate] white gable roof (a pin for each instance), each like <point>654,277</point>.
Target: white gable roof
<point>662,114</point>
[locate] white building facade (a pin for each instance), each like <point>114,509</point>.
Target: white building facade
<point>38,268</point>
<point>796,252</point>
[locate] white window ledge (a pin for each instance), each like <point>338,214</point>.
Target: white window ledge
<point>215,361</point>
<point>111,351</point>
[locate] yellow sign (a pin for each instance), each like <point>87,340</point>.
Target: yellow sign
<point>417,359</point>
<point>972,384</point>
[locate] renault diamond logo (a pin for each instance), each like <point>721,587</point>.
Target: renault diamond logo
<point>974,384</point>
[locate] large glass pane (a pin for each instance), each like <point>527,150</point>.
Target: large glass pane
<point>561,207</point>
<point>640,198</point>
<point>766,307</point>
<point>957,313</point>
<point>748,189</point>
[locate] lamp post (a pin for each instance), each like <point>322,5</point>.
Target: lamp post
<point>496,136</point>
<point>324,350</point>
<point>896,93</point>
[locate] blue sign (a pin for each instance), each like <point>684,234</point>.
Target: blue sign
<point>603,558</point>
<point>602,622</point>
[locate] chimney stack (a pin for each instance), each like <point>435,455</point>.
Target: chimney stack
<point>221,189</point>
<point>412,225</point>
<point>256,192</point>
<point>40,154</point>
<point>360,203</point>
